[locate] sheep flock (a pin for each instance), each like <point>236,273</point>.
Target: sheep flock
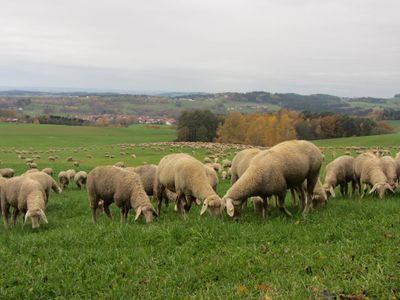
<point>261,175</point>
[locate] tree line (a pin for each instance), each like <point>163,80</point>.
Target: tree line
<point>268,129</point>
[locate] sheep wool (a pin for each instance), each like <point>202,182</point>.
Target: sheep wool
<point>112,184</point>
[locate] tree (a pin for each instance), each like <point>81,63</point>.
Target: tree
<point>197,125</point>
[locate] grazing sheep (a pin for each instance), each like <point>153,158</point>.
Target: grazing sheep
<point>368,170</point>
<point>226,163</point>
<point>70,159</point>
<point>7,172</point>
<point>119,164</point>
<point>80,179</point>
<point>71,174</point>
<point>224,175</point>
<point>48,171</point>
<point>241,162</point>
<point>147,174</point>
<point>207,160</point>
<point>271,172</point>
<point>51,158</point>
<point>25,195</point>
<point>76,163</point>
<point>46,181</point>
<point>187,177</point>
<point>112,184</point>
<point>339,172</point>
<point>389,167</point>
<point>397,160</point>
<point>63,179</point>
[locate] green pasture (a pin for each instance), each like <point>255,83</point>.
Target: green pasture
<point>351,247</point>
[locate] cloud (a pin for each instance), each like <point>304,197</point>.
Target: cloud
<point>345,47</point>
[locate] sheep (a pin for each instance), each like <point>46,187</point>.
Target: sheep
<point>226,163</point>
<point>51,158</point>
<point>319,195</point>
<point>119,164</point>
<point>7,172</point>
<point>367,170</point>
<point>271,172</point>
<point>241,162</point>
<point>71,174</point>
<point>112,184</point>
<point>389,167</point>
<point>30,171</point>
<point>397,160</point>
<point>48,171</point>
<point>76,163</point>
<point>224,175</point>
<point>80,179</point>
<point>187,177</point>
<point>207,160</point>
<point>147,174</point>
<point>63,179</point>
<point>25,195</point>
<point>47,182</point>
<point>339,172</point>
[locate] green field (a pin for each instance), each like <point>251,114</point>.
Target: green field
<point>350,247</point>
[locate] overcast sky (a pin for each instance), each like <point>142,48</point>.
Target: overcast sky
<point>341,47</point>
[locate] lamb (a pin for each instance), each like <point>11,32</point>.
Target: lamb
<point>112,184</point>
<point>71,174</point>
<point>63,179</point>
<point>46,181</point>
<point>147,174</point>
<point>368,170</point>
<point>319,195</point>
<point>7,172</point>
<point>271,172</point>
<point>339,172</point>
<point>389,167</point>
<point>48,171</point>
<point>80,179</point>
<point>187,177</point>
<point>25,195</point>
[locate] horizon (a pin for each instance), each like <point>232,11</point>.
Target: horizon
<point>344,48</point>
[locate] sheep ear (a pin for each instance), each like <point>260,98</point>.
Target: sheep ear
<point>204,208</point>
<point>138,213</point>
<point>43,216</point>
<point>230,209</point>
<point>332,191</point>
<point>198,202</point>
<point>374,188</point>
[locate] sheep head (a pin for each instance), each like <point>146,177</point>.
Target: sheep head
<point>329,190</point>
<point>381,188</point>
<point>148,213</point>
<point>212,204</point>
<point>233,207</point>
<point>35,215</point>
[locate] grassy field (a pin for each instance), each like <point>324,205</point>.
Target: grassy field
<point>349,247</point>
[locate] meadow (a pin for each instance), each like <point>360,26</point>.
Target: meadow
<point>350,248</point>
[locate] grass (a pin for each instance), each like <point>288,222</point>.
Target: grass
<point>349,247</point>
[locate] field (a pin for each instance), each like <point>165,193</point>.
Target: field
<point>351,247</point>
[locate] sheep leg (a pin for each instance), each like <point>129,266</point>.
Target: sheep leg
<point>124,214</point>
<point>346,189</point>
<point>15,216</point>
<point>159,196</point>
<point>294,199</point>
<point>180,199</point>
<point>107,211</point>
<point>5,210</point>
<point>265,207</point>
<point>281,205</point>
<point>342,192</point>
<point>353,187</point>
<point>365,189</point>
<point>311,182</point>
<point>302,198</point>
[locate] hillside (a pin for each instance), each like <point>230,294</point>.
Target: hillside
<point>171,104</point>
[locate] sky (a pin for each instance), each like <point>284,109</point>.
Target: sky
<point>342,47</point>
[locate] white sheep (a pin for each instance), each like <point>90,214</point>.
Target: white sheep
<point>71,174</point>
<point>48,171</point>
<point>339,172</point>
<point>271,172</point>
<point>80,179</point>
<point>7,172</point>
<point>112,184</point>
<point>389,167</point>
<point>63,179</point>
<point>187,177</point>
<point>368,171</point>
<point>24,195</point>
<point>46,181</point>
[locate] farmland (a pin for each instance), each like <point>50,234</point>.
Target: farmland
<point>350,247</point>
